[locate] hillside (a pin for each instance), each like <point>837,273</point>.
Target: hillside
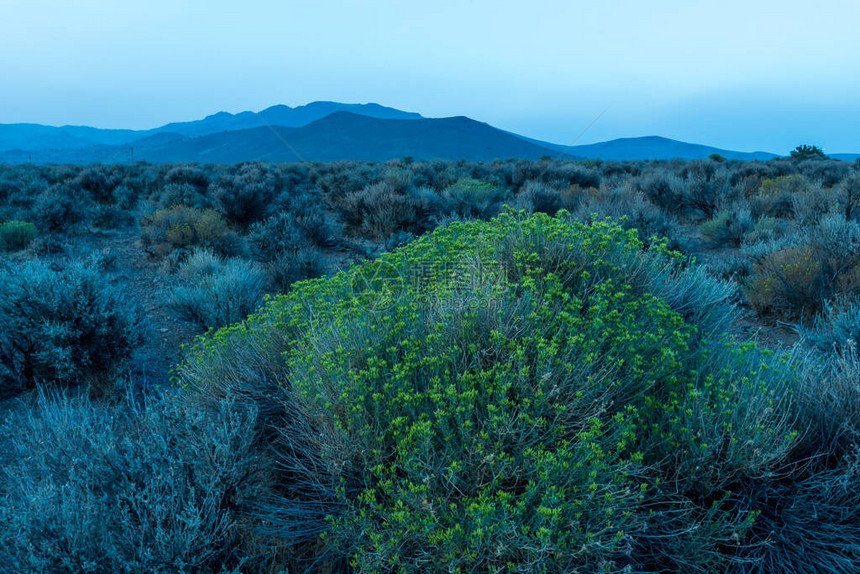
<point>36,137</point>
<point>326,131</point>
<point>657,148</point>
<point>339,136</point>
<point>282,116</point>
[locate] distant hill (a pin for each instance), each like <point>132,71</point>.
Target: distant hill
<point>325,131</point>
<point>349,136</point>
<point>845,156</point>
<point>33,137</point>
<point>283,116</point>
<point>338,136</point>
<point>656,148</point>
<point>36,137</point>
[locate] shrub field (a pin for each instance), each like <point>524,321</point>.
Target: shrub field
<point>515,366</point>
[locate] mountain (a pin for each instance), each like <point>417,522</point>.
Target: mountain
<point>324,131</point>
<point>36,137</point>
<point>349,136</point>
<point>32,137</point>
<point>338,136</point>
<point>655,148</point>
<point>283,116</point>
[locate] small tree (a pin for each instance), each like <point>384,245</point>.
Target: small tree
<point>804,152</point>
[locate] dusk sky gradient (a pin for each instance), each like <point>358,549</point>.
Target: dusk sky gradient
<point>745,75</point>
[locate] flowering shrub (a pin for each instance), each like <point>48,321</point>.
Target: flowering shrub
<point>522,394</point>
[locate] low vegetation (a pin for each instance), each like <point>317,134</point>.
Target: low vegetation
<point>66,326</point>
<point>17,235</point>
<point>638,366</point>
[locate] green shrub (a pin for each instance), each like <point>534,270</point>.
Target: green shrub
<point>181,227</point>
<point>531,394</point>
<point>16,235</point>
<point>70,326</point>
<point>807,152</point>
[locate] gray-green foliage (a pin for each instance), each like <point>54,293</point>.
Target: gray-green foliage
<point>61,326</point>
<point>155,487</point>
<point>836,328</point>
<point>217,291</point>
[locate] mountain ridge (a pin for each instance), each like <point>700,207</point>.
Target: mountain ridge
<point>16,137</point>
<point>325,131</point>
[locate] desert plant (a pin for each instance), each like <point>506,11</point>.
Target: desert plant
<point>664,190</point>
<point>798,275</point>
<point>286,243</point>
<point>175,194</point>
<point>111,217</point>
<point>286,232</point>
<point>805,152</point>
<point>473,199</point>
<point>188,175</point>
<point>537,197</point>
<point>728,228</point>
<point>68,326</point>
<point>217,292</point>
<point>289,267</point>
<point>181,226</point>
<point>60,208</point>
<point>529,393</point>
<point>849,195</point>
<point>96,184</point>
<point>633,210</point>
<point>775,196</point>
<point>125,197</point>
<point>836,328</point>
<point>813,203</point>
<point>16,235</point>
<point>154,486</point>
<point>246,196</point>
<point>379,210</point>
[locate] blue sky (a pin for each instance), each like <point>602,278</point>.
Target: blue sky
<point>746,75</point>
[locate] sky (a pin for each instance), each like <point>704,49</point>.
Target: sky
<point>745,75</point>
